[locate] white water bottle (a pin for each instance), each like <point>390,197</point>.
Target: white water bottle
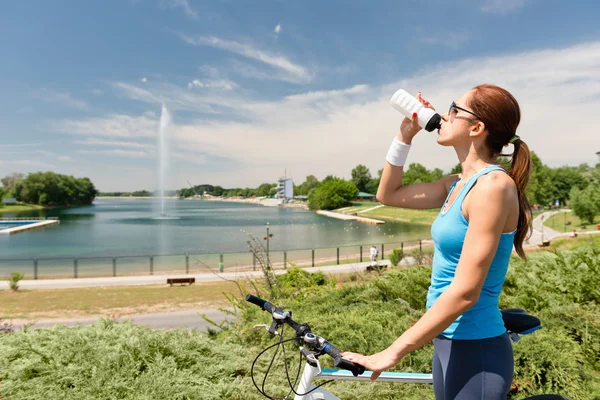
<point>408,105</point>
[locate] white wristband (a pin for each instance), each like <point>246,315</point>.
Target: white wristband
<point>397,153</point>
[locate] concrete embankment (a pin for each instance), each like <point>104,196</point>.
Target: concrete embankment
<point>348,217</point>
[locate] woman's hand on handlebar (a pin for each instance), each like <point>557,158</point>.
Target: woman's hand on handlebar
<point>410,127</point>
<point>377,362</point>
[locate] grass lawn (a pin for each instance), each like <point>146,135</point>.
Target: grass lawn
<point>557,222</point>
<point>79,302</point>
<point>118,300</point>
<point>19,207</point>
<point>567,243</point>
<point>425,217</point>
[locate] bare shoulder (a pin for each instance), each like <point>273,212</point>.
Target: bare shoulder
<point>496,185</point>
<point>449,180</point>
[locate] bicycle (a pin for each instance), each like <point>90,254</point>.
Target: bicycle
<point>517,322</point>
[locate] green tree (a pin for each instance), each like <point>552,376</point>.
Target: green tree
<point>457,169</point>
<point>416,173</point>
<point>332,194</point>
<point>373,186</point>
<point>10,181</point>
<point>309,183</point>
<point>49,188</point>
<point>264,189</point>
<point>361,176</point>
<point>585,203</point>
<point>540,186</point>
<point>565,178</point>
<point>436,175</point>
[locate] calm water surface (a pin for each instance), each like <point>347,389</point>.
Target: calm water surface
<point>122,227</point>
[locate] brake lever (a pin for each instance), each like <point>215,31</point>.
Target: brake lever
<point>266,327</point>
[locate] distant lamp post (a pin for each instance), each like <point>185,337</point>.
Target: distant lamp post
<point>269,235</point>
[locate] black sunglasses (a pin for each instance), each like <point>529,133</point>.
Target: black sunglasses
<point>453,107</point>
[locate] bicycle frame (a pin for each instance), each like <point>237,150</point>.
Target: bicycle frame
<point>311,372</point>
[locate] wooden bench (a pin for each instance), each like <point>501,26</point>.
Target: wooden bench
<point>378,267</point>
<point>181,281</point>
<point>545,243</point>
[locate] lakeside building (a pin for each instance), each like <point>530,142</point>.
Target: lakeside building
<point>285,189</point>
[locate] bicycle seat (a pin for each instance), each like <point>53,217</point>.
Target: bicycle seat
<point>518,321</point>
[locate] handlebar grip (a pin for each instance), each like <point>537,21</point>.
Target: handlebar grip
<point>265,305</point>
<point>256,300</point>
<point>342,363</point>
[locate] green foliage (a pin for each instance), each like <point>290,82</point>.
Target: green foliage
<point>309,184</point>
<point>396,256</point>
<point>331,194</point>
<point>10,181</point>
<point>112,361</point>
<point>417,173</point>
<point>15,277</point>
<point>200,189</point>
<point>49,188</point>
<point>121,361</point>
<point>265,189</point>
<point>361,177</point>
<point>564,179</point>
<point>586,203</point>
<point>539,190</point>
<point>298,282</point>
<point>457,169</point>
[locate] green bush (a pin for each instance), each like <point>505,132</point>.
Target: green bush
<point>109,360</point>
<point>331,194</point>
<point>396,256</point>
<point>15,277</point>
<point>300,282</point>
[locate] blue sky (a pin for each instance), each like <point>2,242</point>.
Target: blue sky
<point>258,87</point>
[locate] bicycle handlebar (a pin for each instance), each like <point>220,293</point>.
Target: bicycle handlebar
<point>303,331</point>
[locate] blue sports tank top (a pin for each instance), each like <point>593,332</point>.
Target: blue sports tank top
<point>448,231</point>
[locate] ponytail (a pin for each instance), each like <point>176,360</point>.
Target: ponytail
<point>501,114</point>
<point>519,172</point>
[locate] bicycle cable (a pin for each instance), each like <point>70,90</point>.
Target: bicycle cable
<point>280,343</point>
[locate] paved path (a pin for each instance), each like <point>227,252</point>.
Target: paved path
<point>188,319</point>
<point>162,279</point>
<point>543,233</point>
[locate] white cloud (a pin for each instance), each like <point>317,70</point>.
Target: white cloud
<point>277,30</point>
<point>180,98</point>
<point>194,158</point>
<point>114,143</point>
<point>144,79</point>
<point>61,98</point>
<point>21,145</point>
<point>185,6</point>
<point>501,6</point>
<point>64,158</point>
<point>325,94</point>
<point>217,84</point>
<point>298,72</point>
<point>97,92</point>
<point>116,125</point>
<point>326,132</point>
<point>120,153</point>
<point>27,163</point>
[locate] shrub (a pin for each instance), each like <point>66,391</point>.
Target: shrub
<point>396,256</point>
<point>15,277</point>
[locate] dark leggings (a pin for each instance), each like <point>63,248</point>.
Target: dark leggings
<point>472,369</point>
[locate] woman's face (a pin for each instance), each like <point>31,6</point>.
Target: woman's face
<point>457,123</point>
